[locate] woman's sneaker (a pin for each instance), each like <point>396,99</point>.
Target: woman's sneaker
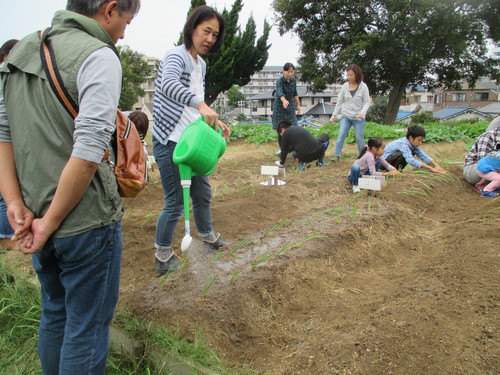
<point>489,194</point>
<point>356,189</point>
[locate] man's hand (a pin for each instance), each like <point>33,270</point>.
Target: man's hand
<point>41,230</point>
<point>333,118</point>
<point>20,219</point>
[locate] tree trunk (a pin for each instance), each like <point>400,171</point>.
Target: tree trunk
<point>394,102</point>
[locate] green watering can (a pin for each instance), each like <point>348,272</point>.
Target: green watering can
<point>197,153</point>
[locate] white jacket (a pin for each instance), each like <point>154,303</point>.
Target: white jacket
<point>350,106</point>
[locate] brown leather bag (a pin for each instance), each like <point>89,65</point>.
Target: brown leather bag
<point>129,166</point>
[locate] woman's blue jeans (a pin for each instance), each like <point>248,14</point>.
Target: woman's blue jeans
<point>359,133</point>
<point>80,278</point>
<point>173,207</point>
<point>355,174</point>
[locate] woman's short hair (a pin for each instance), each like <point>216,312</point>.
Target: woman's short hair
<point>90,7</point>
<point>141,122</point>
<point>357,72</point>
<point>199,15</point>
<point>287,67</point>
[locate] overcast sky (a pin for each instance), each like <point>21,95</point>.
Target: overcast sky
<point>155,29</point>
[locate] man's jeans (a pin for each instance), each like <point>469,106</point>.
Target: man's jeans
<point>173,207</point>
<point>80,277</point>
<point>359,133</point>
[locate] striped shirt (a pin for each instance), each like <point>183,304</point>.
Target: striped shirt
<point>173,93</point>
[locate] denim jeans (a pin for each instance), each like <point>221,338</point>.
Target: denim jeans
<point>173,208</point>
<point>80,277</point>
<point>356,174</point>
<point>6,230</point>
<point>359,133</point>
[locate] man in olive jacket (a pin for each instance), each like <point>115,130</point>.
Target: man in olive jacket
<point>62,199</point>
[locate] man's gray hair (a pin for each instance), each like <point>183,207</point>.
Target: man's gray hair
<point>90,7</point>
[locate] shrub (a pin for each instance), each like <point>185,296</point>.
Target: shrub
<point>422,118</point>
<point>376,112</point>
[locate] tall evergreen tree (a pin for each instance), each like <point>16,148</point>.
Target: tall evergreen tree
<point>396,42</point>
<point>241,55</point>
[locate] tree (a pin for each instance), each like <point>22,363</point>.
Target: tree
<point>135,72</point>
<point>241,54</point>
<point>378,109</point>
<point>234,96</point>
<point>396,42</point>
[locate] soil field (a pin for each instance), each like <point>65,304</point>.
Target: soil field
<point>318,280</point>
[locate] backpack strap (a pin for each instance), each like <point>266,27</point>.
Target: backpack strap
<point>52,72</point>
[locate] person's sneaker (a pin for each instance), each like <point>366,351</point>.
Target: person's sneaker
<point>167,266</point>
<point>480,186</point>
<point>356,189</point>
<point>277,152</point>
<point>335,158</point>
<point>211,246</point>
<point>320,164</point>
<point>489,194</point>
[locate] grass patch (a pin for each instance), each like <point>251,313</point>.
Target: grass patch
<point>20,310</point>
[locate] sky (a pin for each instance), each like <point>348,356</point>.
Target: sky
<point>155,29</point>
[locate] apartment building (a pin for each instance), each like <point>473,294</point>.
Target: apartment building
<point>482,94</point>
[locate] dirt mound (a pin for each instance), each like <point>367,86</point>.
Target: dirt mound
<point>320,281</point>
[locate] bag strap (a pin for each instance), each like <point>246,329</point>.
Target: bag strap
<point>52,72</point>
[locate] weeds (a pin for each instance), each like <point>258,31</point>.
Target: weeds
<point>209,284</point>
<point>241,244</point>
<point>149,217</point>
<point>20,309</point>
<point>275,226</point>
<point>178,272</point>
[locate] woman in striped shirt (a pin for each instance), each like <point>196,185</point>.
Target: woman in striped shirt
<point>179,100</point>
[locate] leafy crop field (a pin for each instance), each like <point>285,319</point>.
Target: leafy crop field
<point>436,132</point>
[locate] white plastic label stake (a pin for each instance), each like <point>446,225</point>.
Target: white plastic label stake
<point>370,183</point>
